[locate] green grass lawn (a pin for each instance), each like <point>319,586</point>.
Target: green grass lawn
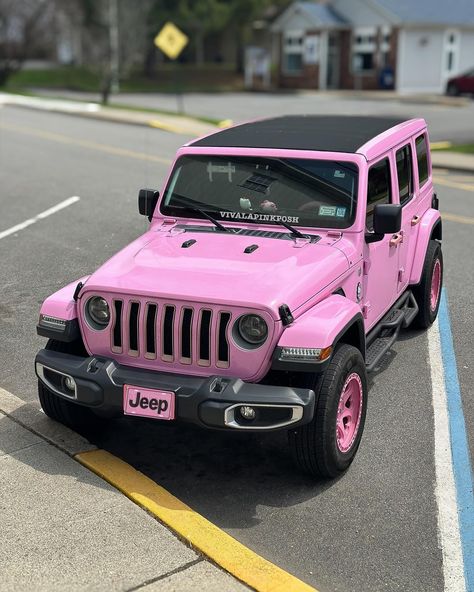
<point>464,148</point>
<point>188,78</point>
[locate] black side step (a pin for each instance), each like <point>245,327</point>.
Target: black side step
<point>385,333</point>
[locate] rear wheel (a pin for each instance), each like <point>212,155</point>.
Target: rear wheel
<point>328,444</point>
<point>428,292</point>
<point>66,412</point>
<point>452,90</point>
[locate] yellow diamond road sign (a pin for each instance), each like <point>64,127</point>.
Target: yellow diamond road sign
<point>171,40</point>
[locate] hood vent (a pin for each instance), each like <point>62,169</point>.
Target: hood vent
<point>313,238</point>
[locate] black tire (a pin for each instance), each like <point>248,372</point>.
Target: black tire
<point>422,292</point>
<point>314,446</point>
<point>452,90</point>
<point>66,412</point>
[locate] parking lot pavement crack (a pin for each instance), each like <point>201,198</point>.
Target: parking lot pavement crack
<point>167,575</point>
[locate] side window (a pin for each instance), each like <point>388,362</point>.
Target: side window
<point>422,157</point>
<point>378,189</point>
<point>405,174</point>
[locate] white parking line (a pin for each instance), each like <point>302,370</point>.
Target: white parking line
<point>60,206</point>
<point>445,490</point>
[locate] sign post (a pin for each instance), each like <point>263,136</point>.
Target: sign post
<point>171,41</point>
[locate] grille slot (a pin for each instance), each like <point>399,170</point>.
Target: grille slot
<point>186,347</point>
<point>167,339</point>
<point>133,329</point>
<point>117,328</point>
<point>223,344</point>
<point>170,332</point>
<point>150,320</point>
<point>205,338</point>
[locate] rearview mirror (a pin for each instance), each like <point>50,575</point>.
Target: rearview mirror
<point>147,200</point>
<point>387,220</point>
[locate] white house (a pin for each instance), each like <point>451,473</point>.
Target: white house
<point>362,44</point>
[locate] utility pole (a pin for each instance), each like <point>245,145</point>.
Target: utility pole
<point>114,46</point>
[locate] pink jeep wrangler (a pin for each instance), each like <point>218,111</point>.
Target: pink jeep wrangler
<point>281,263</point>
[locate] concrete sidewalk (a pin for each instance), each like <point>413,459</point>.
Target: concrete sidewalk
<point>456,161</point>
<point>64,528</point>
<point>177,124</point>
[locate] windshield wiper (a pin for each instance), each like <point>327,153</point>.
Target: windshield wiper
<point>209,217</point>
<point>186,201</point>
<point>292,229</point>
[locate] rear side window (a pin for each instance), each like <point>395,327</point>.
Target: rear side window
<point>378,189</point>
<point>405,174</point>
<point>422,158</point>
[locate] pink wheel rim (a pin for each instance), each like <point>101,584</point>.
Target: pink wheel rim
<point>349,412</point>
<point>435,285</point>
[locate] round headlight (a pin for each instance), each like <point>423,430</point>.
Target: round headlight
<point>98,311</point>
<point>253,329</point>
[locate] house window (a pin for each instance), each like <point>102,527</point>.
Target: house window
<point>405,174</point>
<point>364,43</point>
<point>378,189</point>
<point>451,51</point>
<point>293,50</point>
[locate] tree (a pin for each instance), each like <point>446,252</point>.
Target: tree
<point>24,26</point>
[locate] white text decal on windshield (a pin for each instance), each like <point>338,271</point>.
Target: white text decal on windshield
<point>260,217</point>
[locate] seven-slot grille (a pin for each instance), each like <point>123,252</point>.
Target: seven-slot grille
<point>171,333</point>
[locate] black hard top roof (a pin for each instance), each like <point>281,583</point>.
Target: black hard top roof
<point>336,133</point>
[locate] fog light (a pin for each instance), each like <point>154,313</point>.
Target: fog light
<point>247,412</point>
<point>70,383</point>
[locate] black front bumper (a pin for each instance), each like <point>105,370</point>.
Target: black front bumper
<point>211,402</point>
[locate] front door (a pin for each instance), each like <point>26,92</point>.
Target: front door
<point>381,259</point>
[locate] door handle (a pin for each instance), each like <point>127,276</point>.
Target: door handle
<point>415,220</point>
<point>396,239</point>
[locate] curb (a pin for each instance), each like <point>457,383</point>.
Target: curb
<point>192,528</point>
<point>186,125</point>
<point>198,532</point>
<point>454,168</point>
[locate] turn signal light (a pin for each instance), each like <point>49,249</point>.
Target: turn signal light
<point>305,354</point>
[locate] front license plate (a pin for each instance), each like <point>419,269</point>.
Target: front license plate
<point>146,402</point>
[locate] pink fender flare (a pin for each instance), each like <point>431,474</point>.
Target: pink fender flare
<point>61,304</point>
<point>430,220</point>
<point>325,324</point>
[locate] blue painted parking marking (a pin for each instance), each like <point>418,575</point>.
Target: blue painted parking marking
<point>459,444</point>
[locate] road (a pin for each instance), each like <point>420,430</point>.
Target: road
<point>450,121</point>
<point>376,527</point>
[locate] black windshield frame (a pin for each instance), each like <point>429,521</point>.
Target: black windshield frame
<point>293,171</point>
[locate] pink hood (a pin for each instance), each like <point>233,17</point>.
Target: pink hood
<point>216,269</point>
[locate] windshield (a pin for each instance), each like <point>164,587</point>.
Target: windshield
<point>301,192</point>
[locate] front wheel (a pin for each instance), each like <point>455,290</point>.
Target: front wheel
<point>328,444</point>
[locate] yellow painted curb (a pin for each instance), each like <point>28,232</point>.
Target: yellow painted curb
<point>440,145</point>
<point>225,123</point>
<point>227,552</point>
<point>165,126</point>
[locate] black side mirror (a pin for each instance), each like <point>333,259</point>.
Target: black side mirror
<point>147,200</point>
<point>387,220</point>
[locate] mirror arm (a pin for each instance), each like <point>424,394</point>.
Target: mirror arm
<point>373,237</point>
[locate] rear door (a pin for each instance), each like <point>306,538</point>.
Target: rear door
<point>415,190</point>
<point>407,196</point>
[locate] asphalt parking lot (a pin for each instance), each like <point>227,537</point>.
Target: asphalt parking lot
<point>373,529</point>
